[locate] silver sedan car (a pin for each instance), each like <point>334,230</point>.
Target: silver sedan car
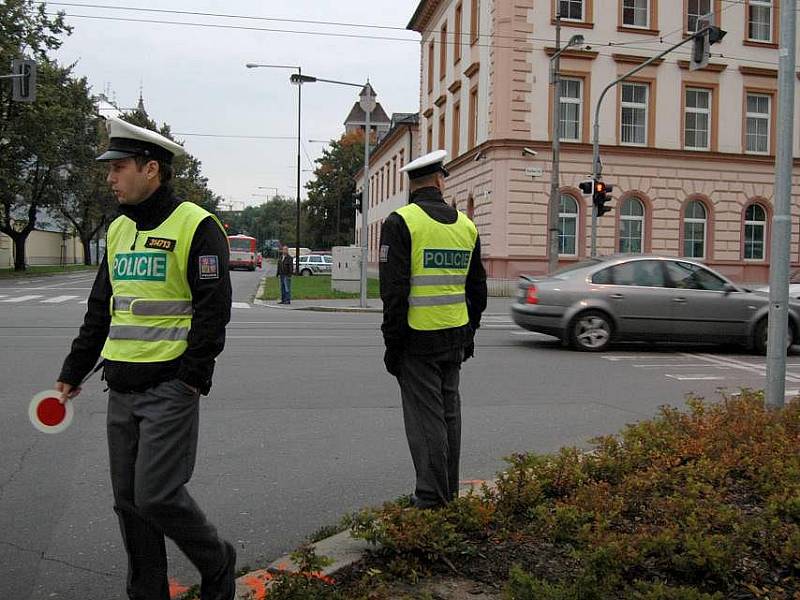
<point>650,298</point>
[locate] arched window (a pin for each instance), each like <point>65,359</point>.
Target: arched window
<point>631,226</point>
<point>694,230</point>
<point>755,232</point>
<point>567,226</point>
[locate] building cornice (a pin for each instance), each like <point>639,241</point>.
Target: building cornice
<point>422,16</point>
<point>758,71</point>
<point>714,67</point>
<point>584,54</point>
<point>633,59</point>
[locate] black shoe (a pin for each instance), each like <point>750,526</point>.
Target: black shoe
<point>223,586</point>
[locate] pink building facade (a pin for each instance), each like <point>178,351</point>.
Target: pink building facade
<point>690,154</point>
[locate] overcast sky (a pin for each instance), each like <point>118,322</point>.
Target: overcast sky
<point>194,78</point>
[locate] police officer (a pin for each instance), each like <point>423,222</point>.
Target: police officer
<point>156,314</point>
<point>433,287</point>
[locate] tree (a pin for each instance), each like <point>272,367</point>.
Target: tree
<point>33,137</point>
<point>329,208</point>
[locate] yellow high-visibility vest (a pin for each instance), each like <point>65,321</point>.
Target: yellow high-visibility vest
<point>151,302</point>
<point>440,258</point>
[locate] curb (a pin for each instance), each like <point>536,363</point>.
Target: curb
<point>316,308</point>
<point>343,550</point>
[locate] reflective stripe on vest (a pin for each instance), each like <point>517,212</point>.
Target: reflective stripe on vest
<point>440,258</point>
<point>148,334</point>
<point>151,306</point>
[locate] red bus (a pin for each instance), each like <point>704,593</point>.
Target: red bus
<point>243,252</point>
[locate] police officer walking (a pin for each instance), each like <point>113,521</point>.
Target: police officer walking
<point>156,314</point>
<point>433,287</point>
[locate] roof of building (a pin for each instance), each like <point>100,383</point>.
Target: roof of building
<point>422,15</point>
<point>357,115</point>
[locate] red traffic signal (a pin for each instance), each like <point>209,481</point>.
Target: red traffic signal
<point>600,197</point>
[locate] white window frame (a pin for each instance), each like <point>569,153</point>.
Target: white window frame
<point>691,15</point>
<point>564,100</point>
<point>563,216</point>
<point>697,111</point>
<point>636,9</point>
<point>763,4</point>
<point>624,219</point>
<point>570,4</point>
<point>762,224</point>
<point>634,106</point>
<point>695,221</point>
<point>767,116</point>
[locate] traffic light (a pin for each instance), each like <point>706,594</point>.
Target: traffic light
<point>600,197</point>
<point>357,200</point>
<point>23,86</point>
<point>711,34</point>
<point>587,187</point>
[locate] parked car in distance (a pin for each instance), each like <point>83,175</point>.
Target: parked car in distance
<point>315,264</point>
<point>650,298</point>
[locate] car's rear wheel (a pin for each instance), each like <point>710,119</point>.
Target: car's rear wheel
<point>761,337</point>
<point>591,331</point>
<point>306,272</point>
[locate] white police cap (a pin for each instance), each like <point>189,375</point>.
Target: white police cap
<point>427,164</point>
<point>128,140</point>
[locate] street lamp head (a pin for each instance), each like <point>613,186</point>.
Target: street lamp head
<point>575,40</point>
<point>297,79</point>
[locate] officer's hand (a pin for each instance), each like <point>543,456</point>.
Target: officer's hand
<point>67,391</point>
<point>393,359</point>
<point>469,351</point>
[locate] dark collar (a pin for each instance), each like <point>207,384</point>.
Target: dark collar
<point>150,213</point>
<point>426,193</point>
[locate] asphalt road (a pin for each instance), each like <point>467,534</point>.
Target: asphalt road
<point>302,425</point>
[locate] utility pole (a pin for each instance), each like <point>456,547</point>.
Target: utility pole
<point>555,175</point>
<point>781,220</point>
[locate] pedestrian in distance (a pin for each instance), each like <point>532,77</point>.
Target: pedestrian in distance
<point>433,287</point>
<point>284,273</point>
<point>156,314</point>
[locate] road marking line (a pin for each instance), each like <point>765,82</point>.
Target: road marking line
<point>84,301</point>
<point>618,357</point>
<point>240,305</point>
<point>57,299</point>
<point>681,366</point>
<point>694,377</point>
<point>529,333</point>
<point>22,298</point>
<point>739,364</point>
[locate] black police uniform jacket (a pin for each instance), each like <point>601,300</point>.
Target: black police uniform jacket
<point>211,303</point>
<point>395,281</point>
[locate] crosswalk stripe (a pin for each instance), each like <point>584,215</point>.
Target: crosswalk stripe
<point>22,298</point>
<point>240,305</point>
<point>57,299</point>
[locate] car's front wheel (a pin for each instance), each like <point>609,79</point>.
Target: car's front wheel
<point>590,331</point>
<point>761,337</point>
<point>306,272</point>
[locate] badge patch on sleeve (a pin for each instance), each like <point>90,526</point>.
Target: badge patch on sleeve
<point>160,243</point>
<point>384,253</point>
<point>209,267</point>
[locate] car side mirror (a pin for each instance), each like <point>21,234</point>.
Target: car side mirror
<point>728,288</point>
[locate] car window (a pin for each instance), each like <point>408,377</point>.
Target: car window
<point>693,277</point>
<point>328,259</point>
<point>646,273</point>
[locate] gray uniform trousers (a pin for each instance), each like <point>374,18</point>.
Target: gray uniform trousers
<point>432,417</point>
<point>152,443</point>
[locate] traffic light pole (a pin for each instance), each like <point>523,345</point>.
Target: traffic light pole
<point>781,220</point>
<point>597,167</point>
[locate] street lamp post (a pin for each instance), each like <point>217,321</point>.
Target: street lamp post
<point>299,108</point>
<point>555,175</point>
<point>367,104</point>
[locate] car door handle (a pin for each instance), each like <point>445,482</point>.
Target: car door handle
<point>679,299</point>
<point>617,296</point>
